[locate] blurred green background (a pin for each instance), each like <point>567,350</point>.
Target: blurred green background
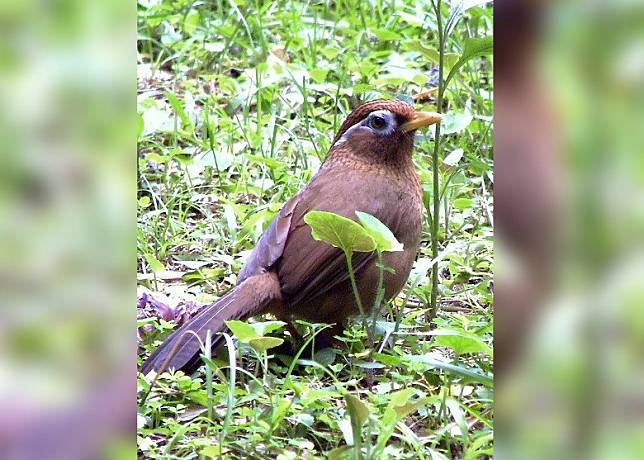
<point>569,275</point>
<point>67,227</point>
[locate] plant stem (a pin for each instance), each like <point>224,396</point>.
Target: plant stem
<point>380,292</point>
<point>435,172</point>
<point>208,353</point>
<point>356,293</point>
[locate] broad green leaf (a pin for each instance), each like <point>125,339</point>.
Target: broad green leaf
<point>242,330</point>
<point>325,356</point>
<point>389,360</point>
<point>400,405</point>
<point>319,74</point>
<point>153,262</point>
<point>219,160</point>
<point>339,232</point>
<point>410,19</point>
<point>477,46</point>
<point>156,158</point>
<point>431,54</point>
<point>192,22</point>
<point>480,447</point>
<point>399,401</point>
<point>280,411</point>
<point>262,344</point>
<point>266,327</point>
<point>450,60</point>
<point>358,411</point>
<point>454,122</point>
<point>386,35</point>
<point>461,342</point>
<point>384,239</point>
<point>462,203</point>
<point>453,158</point>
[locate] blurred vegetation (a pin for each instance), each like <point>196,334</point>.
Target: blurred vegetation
<point>574,391</point>
<point>238,103</point>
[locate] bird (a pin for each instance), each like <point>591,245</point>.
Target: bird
<point>368,168</point>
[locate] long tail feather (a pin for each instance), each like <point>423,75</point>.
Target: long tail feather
<point>181,350</point>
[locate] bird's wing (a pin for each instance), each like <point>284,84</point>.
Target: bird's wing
<point>307,268</point>
<point>310,268</point>
<point>270,246</point>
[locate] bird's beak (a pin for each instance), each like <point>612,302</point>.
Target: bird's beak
<point>421,119</point>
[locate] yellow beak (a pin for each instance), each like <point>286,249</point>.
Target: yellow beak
<point>421,119</point>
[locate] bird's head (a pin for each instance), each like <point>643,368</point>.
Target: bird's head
<point>382,131</point>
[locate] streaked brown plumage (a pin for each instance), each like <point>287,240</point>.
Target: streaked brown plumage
<point>369,168</point>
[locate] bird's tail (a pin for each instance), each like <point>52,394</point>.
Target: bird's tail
<point>181,350</point>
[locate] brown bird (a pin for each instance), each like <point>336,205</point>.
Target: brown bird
<point>369,168</point>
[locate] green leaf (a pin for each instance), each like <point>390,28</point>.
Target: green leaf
<point>144,201</point>
<point>219,160</point>
<point>462,203</point>
<point>389,360</point>
<point>460,341</point>
<point>453,158</point>
<point>458,414</point>
<point>431,54</point>
<point>480,447</point>
<point>176,104</point>
<point>261,344</point>
<point>454,122</point>
<point>156,158</point>
<point>385,240</point>
<point>477,46</point>
<point>462,371</point>
<point>266,327</point>
<point>319,75</point>
<point>339,232</point>
<point>192,22</point>
<point>400,405</point>
<point>280,411</point>
<point>242,330</point>
<point>358,413</point>
<point>155,265</point>
<point>387,35</point>
<point>411,19</point>
<point>140,125</point>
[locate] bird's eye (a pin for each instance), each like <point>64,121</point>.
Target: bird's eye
<point>377,123</point>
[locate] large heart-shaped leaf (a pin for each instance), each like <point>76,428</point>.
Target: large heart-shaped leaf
<point>339,232</point>
<point>385,240</point>
<point>261,344</point>
<point>242,330</point>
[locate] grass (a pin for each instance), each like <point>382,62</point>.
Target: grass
<point>238,103</point>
